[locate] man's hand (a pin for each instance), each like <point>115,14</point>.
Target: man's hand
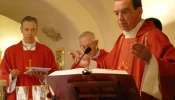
<point>72,54</point>
<point>38,74</point>
<point>142,51</point>
<point>14,73</point>
<point>85,61</point>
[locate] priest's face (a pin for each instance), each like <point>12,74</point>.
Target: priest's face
<point>127,17</point>
<point>29,31</point>
<point>86,41</point>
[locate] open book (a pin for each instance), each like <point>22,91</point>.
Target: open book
<point>93,71</point>
<point>60,82</point>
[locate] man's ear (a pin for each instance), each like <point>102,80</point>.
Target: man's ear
<point>97,42</point>
<point>21,29</point>
<point>36,30</point>
<point>140,11</point>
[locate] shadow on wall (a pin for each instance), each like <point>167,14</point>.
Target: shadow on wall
<point>169,30</point>
<point>47,16</point>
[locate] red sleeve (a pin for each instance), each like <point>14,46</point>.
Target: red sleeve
<point>164,51</point>
<point>99,59</point>
<point>73,65</point>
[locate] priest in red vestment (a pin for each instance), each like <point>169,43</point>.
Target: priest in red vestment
<point>88,39</point>
<point>143,51</point>
<point>20,57</point>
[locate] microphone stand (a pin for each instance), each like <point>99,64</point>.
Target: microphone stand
<point>85,52</point>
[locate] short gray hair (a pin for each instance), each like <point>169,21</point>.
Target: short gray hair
<point>88,33</point>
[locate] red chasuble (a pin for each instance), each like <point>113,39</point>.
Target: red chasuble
<point>99,59</point>
<point>126,58</point>
<point>17,58</point>
<point>160,47</point>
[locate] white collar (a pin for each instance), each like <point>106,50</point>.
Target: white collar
<point>28,46</point>
<point>132,33</point>
<point>97,54</point>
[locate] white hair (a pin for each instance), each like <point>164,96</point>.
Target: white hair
<point>88,33</point>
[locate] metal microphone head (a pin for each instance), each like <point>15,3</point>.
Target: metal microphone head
<point>87,50</point>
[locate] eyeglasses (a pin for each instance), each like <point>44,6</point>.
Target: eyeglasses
<point>89,45</point>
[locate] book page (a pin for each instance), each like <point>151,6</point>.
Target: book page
<point>68,72</point>
<point>107,71</point>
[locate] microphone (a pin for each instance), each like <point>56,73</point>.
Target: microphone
<point>85,52</point>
